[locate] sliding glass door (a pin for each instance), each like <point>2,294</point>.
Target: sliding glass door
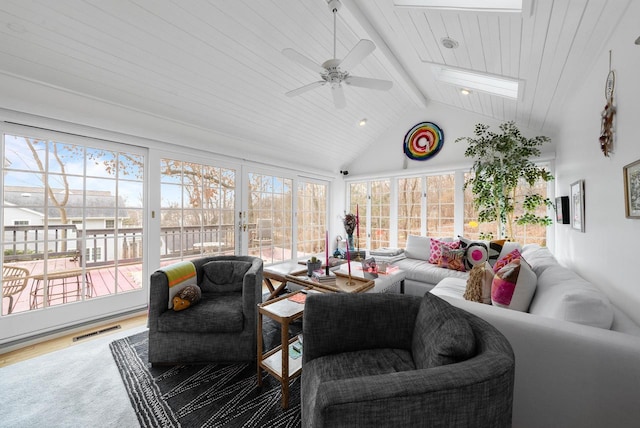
<point>73,228</point>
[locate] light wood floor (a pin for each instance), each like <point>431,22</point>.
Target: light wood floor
<point>41,348</point>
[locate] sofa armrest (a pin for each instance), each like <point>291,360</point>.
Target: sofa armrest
<point>340,322</point>
<point>576,375</point>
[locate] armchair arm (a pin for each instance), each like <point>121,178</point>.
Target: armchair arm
<point>335,323</point>
<point>252,291</point>
<point>158,297</point>
<point>417,398</point>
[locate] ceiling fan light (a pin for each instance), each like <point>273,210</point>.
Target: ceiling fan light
<point>484,82</point>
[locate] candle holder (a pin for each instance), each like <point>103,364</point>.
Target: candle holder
<point>358,258</point>
<point>350,282</point>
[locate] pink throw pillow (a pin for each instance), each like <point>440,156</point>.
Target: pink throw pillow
<point>436,249</point>
<point>515,254</point>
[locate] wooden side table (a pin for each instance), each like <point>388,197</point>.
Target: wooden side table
<point>277,361</point>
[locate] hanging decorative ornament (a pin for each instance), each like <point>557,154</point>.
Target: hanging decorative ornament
<point>423,141</point>
<point>606,128</point>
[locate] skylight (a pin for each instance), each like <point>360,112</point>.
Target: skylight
<point>508,6</point>
<point>484,82</point>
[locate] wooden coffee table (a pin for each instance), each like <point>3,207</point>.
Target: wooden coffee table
<point>278,272</point>
<point>342,285</point>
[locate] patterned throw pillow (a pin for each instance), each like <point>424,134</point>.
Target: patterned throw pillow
<point>476,252</point>
<point>513,286</point>
<point>436,249</point>
<point>479,284</point>
<point>515,254</point>
<point>452,259</point>
<point>495,248</point>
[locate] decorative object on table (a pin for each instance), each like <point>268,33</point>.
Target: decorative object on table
<point>350,222</point>
<point>562,209</point>
<point>358,258</point>
<point>577,205</point>
<point>326,251</point>
<point>501,162</point>
<point>607,115</point>
<point>313,264</point>
<point>632,189</point>
<point>337,253</point>
<point>423,141</point>
<point>369,265</point>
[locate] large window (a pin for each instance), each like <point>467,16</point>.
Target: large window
<point>380,214</point>
<point>409,208</point>
<point>197,210</point>
<point>311,218</point>
<point>440,205</point>
<point>358,204</point>
<point>269,217</point>
<point>57,197</point>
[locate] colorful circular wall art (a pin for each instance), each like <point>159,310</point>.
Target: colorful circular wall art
<point>423,141</point>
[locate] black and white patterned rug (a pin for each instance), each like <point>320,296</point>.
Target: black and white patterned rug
<point>216,395</point>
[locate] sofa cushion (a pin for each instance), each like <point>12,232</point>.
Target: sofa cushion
<point>452,259</point>
<point>422,271</point>
<point>442,335</point>
<point>479,284</point>
<point>539,258</point>
<point>215,313</point>
<point>417,247</point>
<point>179,276</point>
<point>563,294</point>
<point>476,253</point>
<point>513,286</point>
<point>435,249</point>
<point>223,275</point>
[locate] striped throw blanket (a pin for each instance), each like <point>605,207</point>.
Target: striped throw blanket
<point>180,275</point>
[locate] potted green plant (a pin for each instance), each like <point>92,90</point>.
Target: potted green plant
<point>313,264</point>
<point>502,161</point>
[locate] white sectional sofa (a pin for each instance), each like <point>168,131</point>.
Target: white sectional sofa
<point>577,355</point>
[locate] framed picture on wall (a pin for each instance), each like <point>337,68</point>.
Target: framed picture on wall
<point>577,205</point>
<point>632,189</point>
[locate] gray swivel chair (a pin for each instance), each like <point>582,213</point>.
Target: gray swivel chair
<point>222,327</point>
<point>402,361</point>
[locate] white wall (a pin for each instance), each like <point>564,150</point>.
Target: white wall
<point>607,252</point>
<point>386,155</point>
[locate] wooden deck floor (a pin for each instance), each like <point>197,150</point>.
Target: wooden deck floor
<point>102,280</point>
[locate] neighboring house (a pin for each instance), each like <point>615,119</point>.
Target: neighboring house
<point>24,207</point>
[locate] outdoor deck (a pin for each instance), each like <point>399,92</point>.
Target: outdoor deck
<point>96,281</point>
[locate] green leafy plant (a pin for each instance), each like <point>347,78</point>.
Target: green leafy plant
<point>501,162</point>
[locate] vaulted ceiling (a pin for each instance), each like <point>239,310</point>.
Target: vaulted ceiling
<point>218,64</point>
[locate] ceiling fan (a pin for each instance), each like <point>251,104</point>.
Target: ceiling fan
<point>335,71</point>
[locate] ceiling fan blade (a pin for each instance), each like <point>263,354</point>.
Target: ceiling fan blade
<point>366,82</point>
<point>305,88</point>
<point>357,54</point>
<point>338,96</point>
<point>302,60</point>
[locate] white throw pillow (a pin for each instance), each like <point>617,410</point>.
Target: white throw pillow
<point>418,247</point>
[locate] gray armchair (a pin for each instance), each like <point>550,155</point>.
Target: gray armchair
<point>402,361</point>
<point>219,328</point>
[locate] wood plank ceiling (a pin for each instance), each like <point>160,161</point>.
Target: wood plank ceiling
<point>217,65</point>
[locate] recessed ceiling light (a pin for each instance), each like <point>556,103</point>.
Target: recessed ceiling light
<point>465,91</point>
<point>449,43</point>
<point>508,6</point>
<point>483,82</point>
<point>362,122</point>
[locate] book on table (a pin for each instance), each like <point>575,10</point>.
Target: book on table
<point>322,277</point>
